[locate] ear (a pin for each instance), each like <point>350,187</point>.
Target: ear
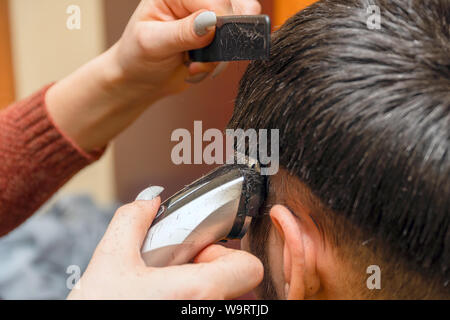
<point>299,253</point>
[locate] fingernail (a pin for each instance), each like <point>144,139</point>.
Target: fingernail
<point>150,193</point>
<point>204,21</point>
<point>197,78</point>
<point>219,69</point>
<point>286,290</point>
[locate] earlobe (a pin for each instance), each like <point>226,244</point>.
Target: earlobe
<point>299,254</point>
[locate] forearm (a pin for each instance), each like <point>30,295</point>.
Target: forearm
<point>36,159</point>
<point>93,104</point>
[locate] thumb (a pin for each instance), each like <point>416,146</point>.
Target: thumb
<point>129,226</point>
<point>229,273</point>
<point>161,39</point>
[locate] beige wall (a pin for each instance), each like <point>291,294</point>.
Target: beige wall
<point>45,50</point>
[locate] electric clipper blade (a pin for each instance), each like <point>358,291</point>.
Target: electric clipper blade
<point>218,206</point>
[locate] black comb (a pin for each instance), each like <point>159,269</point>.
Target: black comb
<point>237,38</point>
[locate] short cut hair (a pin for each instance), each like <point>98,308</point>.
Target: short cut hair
<point>364,119</point>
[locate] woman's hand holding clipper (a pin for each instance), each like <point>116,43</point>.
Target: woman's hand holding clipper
<point>117,270</point>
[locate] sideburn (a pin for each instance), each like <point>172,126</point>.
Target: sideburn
<point>258,238</point>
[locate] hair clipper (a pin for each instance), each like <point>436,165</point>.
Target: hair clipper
<point>218,206</point>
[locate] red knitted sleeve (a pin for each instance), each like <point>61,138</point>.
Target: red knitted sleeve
<point>36,159</point>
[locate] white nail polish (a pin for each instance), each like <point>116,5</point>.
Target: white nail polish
<point>219,69</point>
<point>150,193</point>
<point>204,21</point>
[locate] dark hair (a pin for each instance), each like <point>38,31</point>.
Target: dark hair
<point>364,118</point>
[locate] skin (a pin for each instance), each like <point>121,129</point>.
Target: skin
<point>145,65</point>
<point>301,262</point>
<point>117,270</point>
<point>102,98</point>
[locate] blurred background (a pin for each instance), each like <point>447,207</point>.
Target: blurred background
<point>36,48</point>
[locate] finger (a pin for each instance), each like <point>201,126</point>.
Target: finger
<point>128,228</point>
<point>227,273</point>
<point>199,67</point>
<point>160,40</point>
<point>200,71</point>
<point>222,7</point>
<point>211,253</point>
<point>246,7</point>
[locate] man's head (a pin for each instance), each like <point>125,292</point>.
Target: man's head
<point>364,120</point>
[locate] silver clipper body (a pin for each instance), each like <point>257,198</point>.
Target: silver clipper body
<point>218,206</point>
